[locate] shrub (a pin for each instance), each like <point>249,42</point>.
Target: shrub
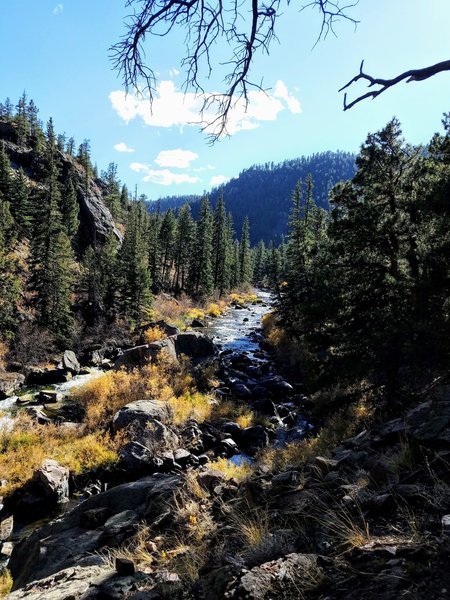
<point>239,473</point>
<point>6,582</point>
<point>153,334</point>
<point>23,449</point>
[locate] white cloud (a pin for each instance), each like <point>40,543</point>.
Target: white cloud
<point>173,73</point>
<point>174,108</point>
<point>175,158</point>
<point>218,180</point>
<point>122,147</point>
<point>166,177</point>
<point>58,9</point>
<point>162,176</point>
<point>282,92</point>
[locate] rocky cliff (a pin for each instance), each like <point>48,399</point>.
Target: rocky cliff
<point>96,221</point>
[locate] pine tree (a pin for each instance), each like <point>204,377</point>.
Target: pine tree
<point>167,234</point>
<point>133,266</point>
<point>20,204</point>
<point>259,262</point>
<point>5,172</point>
<point>52,257</point>
<point>201,274</point>
<point>221,249</point>
<point>183,248</point>
<point>245,262</point>
<point>69,207</point>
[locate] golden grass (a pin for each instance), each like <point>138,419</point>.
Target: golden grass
<point>338,427</point>
<point>239,473</point>
<point>105,395</point>
<point>6,583</point>
<point>23,449</point>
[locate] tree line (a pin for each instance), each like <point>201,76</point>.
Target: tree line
<point>47,280</point>
<point>365,289</point>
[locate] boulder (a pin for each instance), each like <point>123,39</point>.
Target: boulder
<point>65,543</point>
<point>197,323</point>
<point>48,376</point>
<point>70,362</point>
<point>241,391</point>
<point>9,383</point>
<point>48,396</point>
<point>6,528</point>
<point>194,345</point>
<point>140,355</point>
<point>142,412</point>
<point>253,439</point>
<point>52,481</point>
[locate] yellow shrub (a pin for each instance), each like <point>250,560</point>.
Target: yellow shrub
<point>239,473</point>
<point>6,582</point>
<point>153,334</point>
<point>23,449</point>
<point>104,396</point>
<point>191,405</point>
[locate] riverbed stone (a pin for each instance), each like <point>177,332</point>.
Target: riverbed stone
<point>70,362</point>
<point>52,480</point>
<point>9,383</point>
<point>142,412</point>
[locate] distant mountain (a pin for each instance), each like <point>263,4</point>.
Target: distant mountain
<point>263,192</point>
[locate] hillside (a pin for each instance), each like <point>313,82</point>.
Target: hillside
<point>264,192</point>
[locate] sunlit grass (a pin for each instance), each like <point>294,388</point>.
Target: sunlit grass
<point>239,473</point>
<point>23,450</point>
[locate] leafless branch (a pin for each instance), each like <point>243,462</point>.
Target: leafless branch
<point>384,84</point>
<point>247,27</point>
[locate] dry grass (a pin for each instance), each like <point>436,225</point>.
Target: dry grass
<point>162,380</point>
<point>104,396</point>
<point>239,473</point>
<point>338,427</point>
<point>23,449</point>
<point>6,583</point>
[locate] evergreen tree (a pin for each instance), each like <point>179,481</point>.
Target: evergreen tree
<point>52,258</point>
<point>20,204</point>
<point>183,248</point>
<point>221,248</point>
<point>133,265</point>
<point>201,274</point>
<point>167,234</point>
<point>259,262</point>
<point>69,207</point>
<point>245,262</point>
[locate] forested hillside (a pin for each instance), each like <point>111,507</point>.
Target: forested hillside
<point>77,251</point>
<point>263,192</point>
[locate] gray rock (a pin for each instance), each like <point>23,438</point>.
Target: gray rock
<point>118,528</point>
<point>52,480</point>
<point>6,528</point>
<point>70,362</point>
<point>254,438</point>
<point>65,543</point>
<point>9,383</point>
<point>194,344</point>
<point>48,376</point>
<point>142,412</point>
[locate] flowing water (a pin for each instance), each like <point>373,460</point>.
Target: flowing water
<point>233,330</point>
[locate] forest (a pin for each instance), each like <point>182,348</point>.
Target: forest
<point>267,190</point>
<point>59,279</point>
<point>357,329</point>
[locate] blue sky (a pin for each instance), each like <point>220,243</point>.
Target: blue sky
<point>58,53</point>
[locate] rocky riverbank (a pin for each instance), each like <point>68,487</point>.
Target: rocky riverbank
<point>197,510</point>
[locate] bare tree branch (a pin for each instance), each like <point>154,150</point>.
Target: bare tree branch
<point>246,26</point>
<point>385,84</point>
